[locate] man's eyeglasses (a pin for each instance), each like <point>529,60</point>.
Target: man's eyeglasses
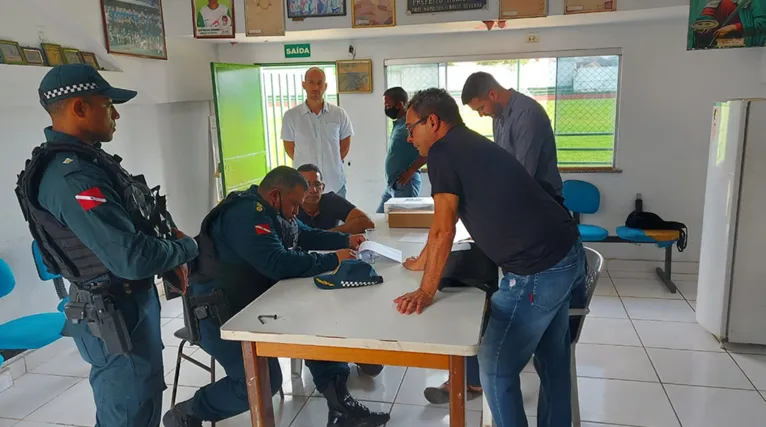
<point>412,126</point>
<point>316,185</point>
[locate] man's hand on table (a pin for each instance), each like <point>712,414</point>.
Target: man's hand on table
<point>413,302</point>
<point>345,254</point>
<point>355,240</point>
<point>415,263</point>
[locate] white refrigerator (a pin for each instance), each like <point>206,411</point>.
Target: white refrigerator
<point>731,295</point>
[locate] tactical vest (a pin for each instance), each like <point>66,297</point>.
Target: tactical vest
<point>241,283</point>
<point>62,251</point>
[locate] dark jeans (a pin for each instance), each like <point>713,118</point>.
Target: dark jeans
<point>227,397</point>
<point>530,315</point>
<point>128,388</point>
<point>410,189</point>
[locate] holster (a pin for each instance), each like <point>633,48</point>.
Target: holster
<point>96,308</point>
<point>200,307</point>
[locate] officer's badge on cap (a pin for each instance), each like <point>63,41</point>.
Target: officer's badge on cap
<point>67,81</point>
<point>351,273</point>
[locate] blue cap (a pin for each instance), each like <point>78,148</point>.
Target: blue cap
<point>351,273</point>
<point>67,81</point>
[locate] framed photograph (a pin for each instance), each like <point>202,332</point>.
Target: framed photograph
<point>373,13</point>
<point>90,59</point>
<point>72,56</point>
<point>725,25</point>
<point>213,19</point>
<point>134,28</point>
<point>264,18</point>
<point>53,54</point>
<point>10,53</point>
<point>315,8</point>
<point>33,55</point>
<point>515,9</point>
<point>354,76</point>
<point>589,6</point>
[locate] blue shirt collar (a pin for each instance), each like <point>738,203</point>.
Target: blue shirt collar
<point>509,106</point>
<point>57,137</point>
<point>307,110</point>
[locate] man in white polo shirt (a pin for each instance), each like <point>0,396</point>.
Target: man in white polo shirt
<point>319,133</point>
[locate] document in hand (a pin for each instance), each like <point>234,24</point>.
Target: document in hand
<point>369,246</point>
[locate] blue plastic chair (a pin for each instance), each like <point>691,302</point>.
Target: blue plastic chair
<point>582,197</point>
<point>28,332</point>
<point>45,275</point>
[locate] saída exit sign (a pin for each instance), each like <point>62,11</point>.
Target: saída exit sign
<point>297,50</point>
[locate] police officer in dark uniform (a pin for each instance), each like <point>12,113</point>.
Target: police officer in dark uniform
<point>248,243</point>
<point>109,235</point>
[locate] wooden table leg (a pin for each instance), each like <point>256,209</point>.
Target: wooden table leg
<point>457,391</point>
<point>258,387</point>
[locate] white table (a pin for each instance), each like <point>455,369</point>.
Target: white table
<point>359,325</point>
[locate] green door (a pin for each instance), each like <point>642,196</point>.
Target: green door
<point>239,114</point>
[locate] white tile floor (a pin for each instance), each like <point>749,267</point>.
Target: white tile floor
<point>642,361</point>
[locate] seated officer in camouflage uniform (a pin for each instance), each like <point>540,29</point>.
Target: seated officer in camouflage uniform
<point>105,232</point>
<point>247,244</point>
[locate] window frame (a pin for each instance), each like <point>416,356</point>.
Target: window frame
<point>615,51</point>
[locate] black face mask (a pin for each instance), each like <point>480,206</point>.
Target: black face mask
<point>392,113</point>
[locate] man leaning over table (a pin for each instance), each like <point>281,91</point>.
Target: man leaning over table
<point>319,133</point>
<point>522,229</point>
<point>248,243</point>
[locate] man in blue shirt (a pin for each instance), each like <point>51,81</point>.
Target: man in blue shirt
<point>403,162</point>
<point>521,126</point>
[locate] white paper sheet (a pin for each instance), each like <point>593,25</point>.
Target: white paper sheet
<point>386,251</point>
<point>414,238</point>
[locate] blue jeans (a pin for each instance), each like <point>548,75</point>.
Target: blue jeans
<point>127,388</point>
<point>227,397</point>
<point>410,189</point>
<point>530,315</point>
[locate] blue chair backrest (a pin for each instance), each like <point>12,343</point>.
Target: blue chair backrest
<point>7,281</point>
<point>581,196</point>
<point>42,270</point>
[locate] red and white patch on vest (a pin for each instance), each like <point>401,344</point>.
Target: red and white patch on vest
<point>91,198</point>
<point>262,229</point>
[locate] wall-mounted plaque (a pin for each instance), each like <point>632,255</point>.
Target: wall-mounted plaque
<point>589,6</point>
<point>436,6</point>
<point>264,18</point>
<point>513,9</point>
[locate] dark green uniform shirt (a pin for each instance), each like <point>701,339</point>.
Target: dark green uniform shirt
<point>82,197</point>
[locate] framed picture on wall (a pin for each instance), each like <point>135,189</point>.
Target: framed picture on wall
<point>264,18</point>
<point>515,9</point>
<point>90,59</point>
<point>10,53</point>
<point>354,76</point>
<point>213,19</point>
<point>53,54</point>
<point>33,55</point>
<point>134,28</point>
<point>589,6</point>
<point>72,56</point>
<point>373,13</point>
<point>315,8</point>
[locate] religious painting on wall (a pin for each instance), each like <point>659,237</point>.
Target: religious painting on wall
<point>589,6</point>
<point>436,6</point>
<point>514,9</point>
<point>264,18</point>
<point>134,28</point>
<point>213,19</point>
<point>315,8</point>
<point>718,24</point>
<point>373,13</point>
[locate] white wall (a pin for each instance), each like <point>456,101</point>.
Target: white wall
<point>163,135</point>
<point>664,111</point>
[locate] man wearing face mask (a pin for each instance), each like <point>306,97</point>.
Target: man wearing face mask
<point>403,162</point>
<point>520,126</point>
<point>249,242</point>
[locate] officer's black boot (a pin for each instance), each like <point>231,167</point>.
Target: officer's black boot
<point>345,411</point>
<point>181,416</point>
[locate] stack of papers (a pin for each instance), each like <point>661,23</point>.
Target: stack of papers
<point>409,204</point>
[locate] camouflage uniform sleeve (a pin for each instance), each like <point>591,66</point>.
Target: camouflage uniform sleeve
<point>81,196</point>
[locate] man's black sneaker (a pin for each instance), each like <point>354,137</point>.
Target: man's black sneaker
<point>346,411</point>
<point>371,371</point>
<point>181,416</point>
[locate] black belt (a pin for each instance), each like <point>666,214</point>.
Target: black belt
<point>119,290</point>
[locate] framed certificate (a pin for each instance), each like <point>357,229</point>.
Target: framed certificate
<point>514,9</point>
<point>589,6</point>
<point>264,18</point>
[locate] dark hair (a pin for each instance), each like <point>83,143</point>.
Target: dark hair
<point>397,94</point>
<point>56,107</point>
<point>308,167</point>
<point>283,178</point>
<point>478,86</point>
<point>438,102</point>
